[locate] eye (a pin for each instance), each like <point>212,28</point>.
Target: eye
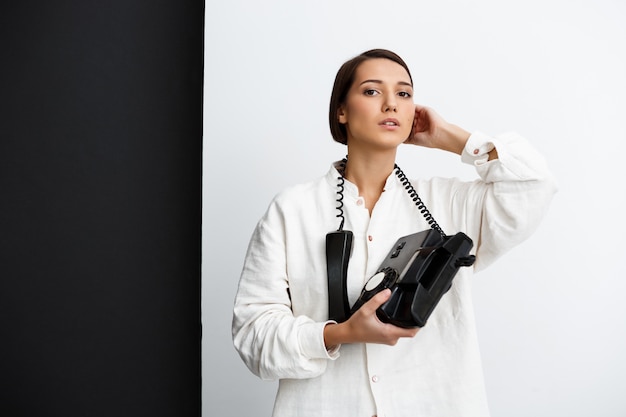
<point>370,92</point>
<point>404,94</point>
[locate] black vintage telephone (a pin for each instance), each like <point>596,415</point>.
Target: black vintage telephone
<point>419,268</point>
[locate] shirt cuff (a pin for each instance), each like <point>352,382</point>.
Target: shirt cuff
<point>477,148</point>
<point>311,338</point>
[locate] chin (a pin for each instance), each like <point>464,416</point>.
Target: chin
<point>382,141</point>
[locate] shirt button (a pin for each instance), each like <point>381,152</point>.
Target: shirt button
<point>359,202</point>
<point>375,378</point>
<point>476,151</point>
<point>370,238</point>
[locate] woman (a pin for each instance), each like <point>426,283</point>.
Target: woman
<point>362,366</point>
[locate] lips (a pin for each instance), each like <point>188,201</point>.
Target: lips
<point>390,122</point>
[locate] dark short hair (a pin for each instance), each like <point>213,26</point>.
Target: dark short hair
<point>343,82</point>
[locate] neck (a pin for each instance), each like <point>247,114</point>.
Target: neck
<point>369,172</point>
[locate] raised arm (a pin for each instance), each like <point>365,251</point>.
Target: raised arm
<point>506,205</point>
<point>432,131</point>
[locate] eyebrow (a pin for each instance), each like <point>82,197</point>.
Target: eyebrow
<point>380,82</point>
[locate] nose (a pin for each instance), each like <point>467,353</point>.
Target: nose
<point>390,105</point>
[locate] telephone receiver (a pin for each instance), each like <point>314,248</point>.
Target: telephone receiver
<point>419,270</point>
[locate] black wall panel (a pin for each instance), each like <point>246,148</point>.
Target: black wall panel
<point>100,207</point>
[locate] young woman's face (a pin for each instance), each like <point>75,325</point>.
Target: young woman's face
<point>379,109</point>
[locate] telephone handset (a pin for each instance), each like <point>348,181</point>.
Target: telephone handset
<point>418,269</point>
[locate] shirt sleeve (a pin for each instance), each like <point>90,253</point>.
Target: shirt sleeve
<point>513,193</point>
<point>272,342</point>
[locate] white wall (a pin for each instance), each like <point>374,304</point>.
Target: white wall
<point>552,313</point>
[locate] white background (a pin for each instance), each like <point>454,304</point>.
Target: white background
<point>551,313</point>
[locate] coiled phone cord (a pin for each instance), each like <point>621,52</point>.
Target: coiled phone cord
<point>418,201</point>
<point>407,186</point>
<point>341,180</point>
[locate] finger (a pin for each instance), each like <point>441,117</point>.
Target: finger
<point>382,296</point>
<point>410,333</point>
<point>405,332</point>
<point>377,300</point>
<point>418,113</point>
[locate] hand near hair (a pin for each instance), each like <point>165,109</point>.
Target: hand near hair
<point>365,327</point>
<point>432,131</point>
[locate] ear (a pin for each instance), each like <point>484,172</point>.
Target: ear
<point>341,115</point>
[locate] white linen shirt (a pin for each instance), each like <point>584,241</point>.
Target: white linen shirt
<point>281,306</point>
